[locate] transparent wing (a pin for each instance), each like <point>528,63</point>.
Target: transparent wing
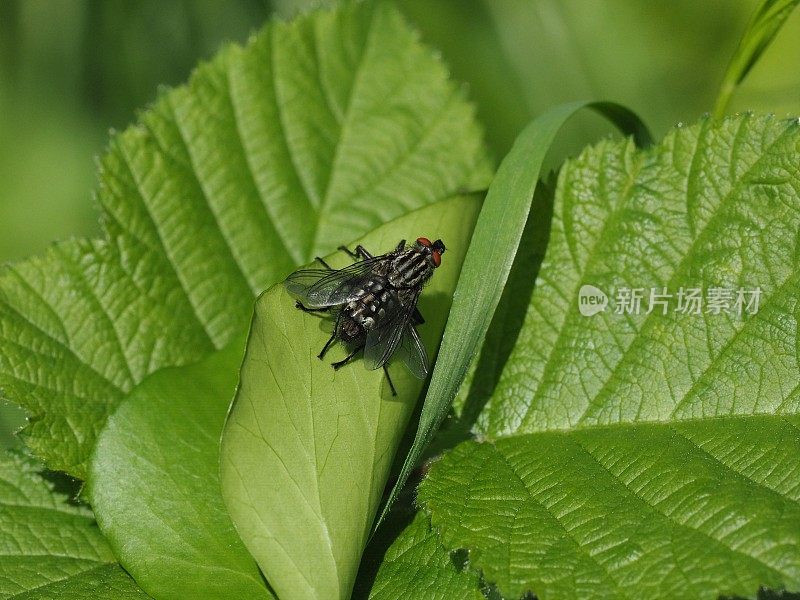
<point>412,352</point>
<point>383,341</point>
<point>323,287</point>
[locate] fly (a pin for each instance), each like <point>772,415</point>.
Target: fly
<point>373,302</point>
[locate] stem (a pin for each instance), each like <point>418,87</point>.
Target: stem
<point>764,25</point>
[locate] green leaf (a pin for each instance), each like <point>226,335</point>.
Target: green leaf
<point>107,582</point>
<point>647,455</point>
<point>307,450</point>
<point>764,25</point>
<point>489,259</point>
<point>50,548</point>
<point>154,485</point>
<point>416,565</point>
<point>313,134</point>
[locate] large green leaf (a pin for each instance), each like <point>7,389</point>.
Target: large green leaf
<point>154,485</point>
<point>307,450</point>
<point>311,135</point>
<point>50,548</point>
<point>648,455</point>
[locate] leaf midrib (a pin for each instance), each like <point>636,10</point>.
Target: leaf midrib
<point>343,127</point>
<point>291,251</point>
<point>634,424</point>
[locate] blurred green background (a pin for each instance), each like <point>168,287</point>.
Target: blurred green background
<point>72,69</point>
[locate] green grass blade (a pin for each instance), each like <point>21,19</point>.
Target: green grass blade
<point>489,259</point>
<point>762,29</point>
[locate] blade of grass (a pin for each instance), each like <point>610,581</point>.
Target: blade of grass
<point>764,25</point>
<point>489,258</point>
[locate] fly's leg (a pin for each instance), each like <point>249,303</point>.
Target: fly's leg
<point>361,253</point>
<point>389,379</point>
<point>327,345</point>
<point>332,339</point>
<point>349,252</point>
<point>304,308</point>
<point>324,264</point>
<point>417,317</point>
<point>339,364</point>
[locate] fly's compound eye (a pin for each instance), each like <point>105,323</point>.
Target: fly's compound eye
<point>437,249</point>
<point>423,241</point>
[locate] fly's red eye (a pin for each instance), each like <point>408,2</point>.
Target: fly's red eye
<point>424,241</point>
<point>437,258</point>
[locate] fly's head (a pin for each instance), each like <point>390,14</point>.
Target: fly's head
<point>433,250</point>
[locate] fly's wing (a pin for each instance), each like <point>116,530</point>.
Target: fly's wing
<point>324,287</point>
<point>412,352</point>
<point>383,340</point>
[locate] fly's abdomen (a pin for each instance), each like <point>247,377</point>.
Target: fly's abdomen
<point>375,303</point>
